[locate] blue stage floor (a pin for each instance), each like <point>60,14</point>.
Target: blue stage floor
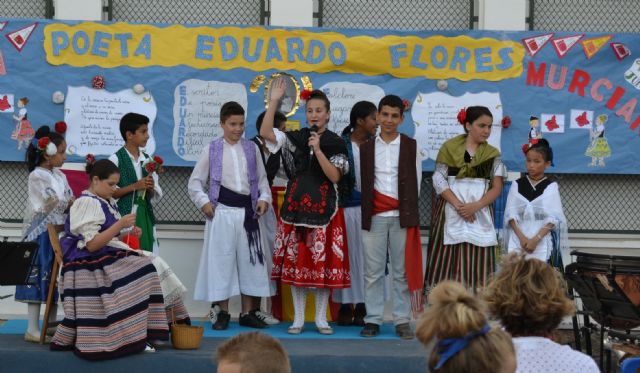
<point>344,351</point>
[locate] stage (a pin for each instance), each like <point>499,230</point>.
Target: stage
<point>344,351</point>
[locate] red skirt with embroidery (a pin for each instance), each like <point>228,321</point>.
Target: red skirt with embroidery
<point>312,257</point>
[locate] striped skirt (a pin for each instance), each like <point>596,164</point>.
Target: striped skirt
<point>112,305</point>
<point>464,262</point>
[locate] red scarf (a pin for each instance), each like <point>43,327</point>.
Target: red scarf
<point>412,252</point>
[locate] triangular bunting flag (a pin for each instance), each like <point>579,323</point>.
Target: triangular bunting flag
<point>592,46</point>
<point>564,45</point>
<point>3,70</point>
<point>535,43</point>
<point>620,50</point>
<point>19,37</point>
<point>3,24</point>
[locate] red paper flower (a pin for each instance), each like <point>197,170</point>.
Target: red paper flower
<point>158,160</point>
<point>61,127</point>
<point>98,82</point>
<point>506,122</point>
<point>150,167</point>
<point>43,142</point>
<point>462,116</point>
<point>406,105</point>
<point>90,158</point>
<point>305,94</point>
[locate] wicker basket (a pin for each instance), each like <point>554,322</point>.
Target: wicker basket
<point>185,337</point>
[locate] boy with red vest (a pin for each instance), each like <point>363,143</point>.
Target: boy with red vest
<point>233,259</point>
<point>391,174</point>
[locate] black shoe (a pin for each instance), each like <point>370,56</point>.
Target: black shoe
<point>251,320</point>
<point>222,322</point>
<point>370,330</point>
<point>359,314</point>
<point>404,331</point>
<point>345,315</point>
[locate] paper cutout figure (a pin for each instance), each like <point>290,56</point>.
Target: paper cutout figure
<point>20,37</point>
<point>23,133</point>
<point>620,50</point>
<point>598,148</point>
<point>534,131</point>
<point>535,43</point>
<point>592,46</point>
<point>564,45</point>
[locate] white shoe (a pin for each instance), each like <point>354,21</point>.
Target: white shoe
<point>267,318</point>
<point>213,313</point>
<point>149,348</point>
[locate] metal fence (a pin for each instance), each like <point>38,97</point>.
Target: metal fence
<point>396,15</point>
<point>593,203</point>
<point>26,8</point>
<point>243,12</point>
<point>584,15</point>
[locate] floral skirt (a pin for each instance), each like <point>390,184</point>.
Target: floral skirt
<point>598,148</point>
<point>40,275</point>
<point>312,257</point>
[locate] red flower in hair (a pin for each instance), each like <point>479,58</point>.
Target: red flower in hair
<point>406,105</point>
<point>506,122</point>
<point>462,116</point>
<point>158,160</point>
<point>525,148</point>
<point>43,142</point>
<point>305,94</point>
<point>60,127</point>
<point>90,158</point>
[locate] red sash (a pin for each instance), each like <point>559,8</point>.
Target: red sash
<point>412,252</point>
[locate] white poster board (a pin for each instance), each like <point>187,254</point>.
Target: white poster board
<point>93,119</point>
<point>343,95</point>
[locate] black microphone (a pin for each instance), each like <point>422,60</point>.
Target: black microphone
<point>312,129</point>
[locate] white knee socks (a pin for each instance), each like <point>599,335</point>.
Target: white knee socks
<point>299,303</point>
<point>33,315</point>
<point>322,299</point>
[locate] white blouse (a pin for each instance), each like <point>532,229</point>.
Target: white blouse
<point>49,195</point>
<point>86,217</point>
<point>234,174</point>
<point>542,355</point>
<point>440,176</point>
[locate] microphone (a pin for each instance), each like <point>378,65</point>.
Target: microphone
<point>312,129</point>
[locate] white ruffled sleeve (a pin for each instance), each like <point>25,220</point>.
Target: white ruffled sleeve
<point>282,141</point>
<point>499,169</point>
<point>439,178</point>
<point>85,219</point>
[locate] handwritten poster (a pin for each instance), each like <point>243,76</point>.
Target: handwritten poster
<point>343,95</point>
<point>93,119</point>
<point>435,118</point>
<point>196,113</point>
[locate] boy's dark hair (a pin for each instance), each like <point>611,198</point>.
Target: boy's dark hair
<point>360,110</point>
<point>130,122</point>
<point>278,119</point>
<point>475,112</point>
<point>543,147</point>
<point>230,108</point>
<point>393,101</point>
<point>255,352</point>
<point>33,155</point>
<point>317,94</point>
<point>102,169</point>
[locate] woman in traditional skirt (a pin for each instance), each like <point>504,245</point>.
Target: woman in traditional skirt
<point>311,242</point>
<point>49,199</point>
<point>467,180</point>
<point>362,126</point>
<point>112,295</point>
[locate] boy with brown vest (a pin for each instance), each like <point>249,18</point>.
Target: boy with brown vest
<point>390,171</point>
